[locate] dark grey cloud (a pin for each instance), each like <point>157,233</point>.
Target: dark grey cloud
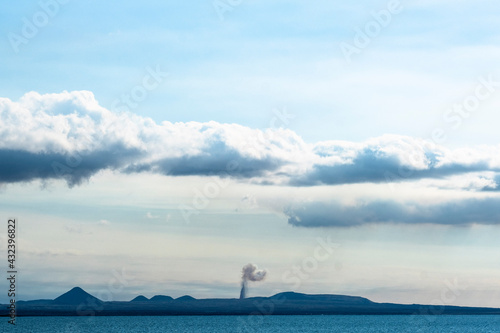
<point>370,166</point>
<point>496,179</point>
<point>74,168</point>
<point>22,166</point>
<point>334,214</point>
<point>216,159</point>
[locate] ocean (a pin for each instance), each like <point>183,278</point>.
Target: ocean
<point>249,324</point>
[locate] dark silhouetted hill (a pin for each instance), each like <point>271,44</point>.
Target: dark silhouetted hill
<point>292,296</point>
<point>77,302</point>
<point>185,298</point>
<point>77,296</point>
<point>140,298</point>
<point>161,298</point>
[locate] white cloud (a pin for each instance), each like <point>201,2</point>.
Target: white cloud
<point>151,216</point>
<point>69,136</point>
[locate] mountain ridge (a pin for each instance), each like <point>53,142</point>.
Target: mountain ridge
<point>78,302</point>
<point>76,296</point>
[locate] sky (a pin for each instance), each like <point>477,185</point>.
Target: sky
<point>157,147</point>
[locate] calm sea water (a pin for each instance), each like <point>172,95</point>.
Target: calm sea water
<point>248,324</point>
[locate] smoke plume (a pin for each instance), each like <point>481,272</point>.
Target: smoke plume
<point>250,272</point>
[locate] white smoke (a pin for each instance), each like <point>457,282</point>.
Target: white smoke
<point>250,272</point>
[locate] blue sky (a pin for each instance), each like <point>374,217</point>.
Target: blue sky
<point>377,150</point>
<point>262,56</point>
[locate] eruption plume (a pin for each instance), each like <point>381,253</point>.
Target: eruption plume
<point>250,272</point>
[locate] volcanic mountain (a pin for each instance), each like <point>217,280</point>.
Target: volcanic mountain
<point>140,298</point>
<point>76,296</point>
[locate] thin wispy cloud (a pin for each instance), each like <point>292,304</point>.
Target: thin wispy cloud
<point>104,223</point>
<point>151,216</point>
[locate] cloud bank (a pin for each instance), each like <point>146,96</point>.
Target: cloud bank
<point>70,136</point>
<point>334,214</point>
